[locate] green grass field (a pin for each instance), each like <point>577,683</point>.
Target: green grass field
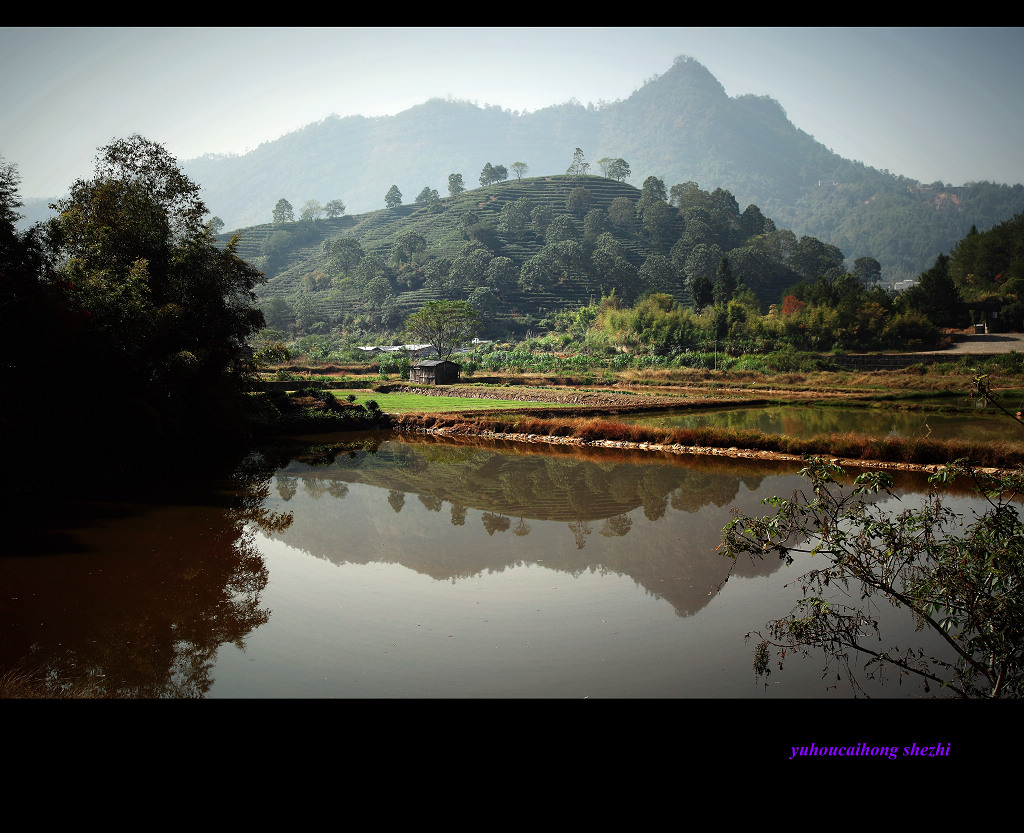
<point>414,403</point>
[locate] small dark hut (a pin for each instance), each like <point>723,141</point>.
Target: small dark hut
<point>435,372</point>
<point>989,311</point>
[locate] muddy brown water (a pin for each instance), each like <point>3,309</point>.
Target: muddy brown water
<point>401,566</point>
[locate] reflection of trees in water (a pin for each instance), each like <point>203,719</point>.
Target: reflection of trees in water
<point>584,489</point>
<point>552,486</point>
<point>154,595</point>
<point>654,506</point>
<point>580,531</point>
<point>521,487</point>
<point>337,488</point>
<point>495,523</point>
<point>396,499</point>
<point>616,526</point>
<point>809,420</point>
<point>316,487</point>
<point>287,487</point>
<point>432,502</point>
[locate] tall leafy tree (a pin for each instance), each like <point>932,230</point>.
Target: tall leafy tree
<point>812,259</point>
<point>541,217</point>
<point>579,166</point>
<point>867,270</point>
<point>279,313</point>
<point>659,274</point>
<point>701,291</point>
<point>653,191</point>
<point>393,198</point>
<point>493,173</point>
<point>455,185</point>
<point>725,283</point>
<point>428,196</point>
<point>753,223</point>
<point>617,169</point>
<point>661,223</point>
<point>35,324</point>
<point>334,208</point>
<point>435,275</point>
<point>540,272</point>
<point>563,227</point>
<point>937,296</point>
<point>343,253</point>
<point>406,247</point>
<point>622,212</point>
<point>311,210</point>
<point>578,201</point>
<point>165,312</point>
<point>595,222</point>
<point>501,275</point>
<point>444,325</point>
<point>468,270</point>
<point>283,212</point>
<point>686,195</point>
<point>703,259</point>
<point>724,212</point>
<point>514,218</point>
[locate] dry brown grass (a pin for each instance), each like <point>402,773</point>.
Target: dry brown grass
<point>850,445</point>
<point>22,683</point>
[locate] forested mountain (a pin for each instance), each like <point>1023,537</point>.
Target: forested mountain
<point>680,127</point>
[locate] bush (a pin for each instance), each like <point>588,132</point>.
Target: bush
<point>959,577</point>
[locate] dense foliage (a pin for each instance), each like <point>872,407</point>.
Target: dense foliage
<point>527,253</point>
<point>444,325</point>
<point>126,329</point>
<point>519,252</point>
<point>988,267</point>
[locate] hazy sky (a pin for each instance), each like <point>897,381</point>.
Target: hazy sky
<point>930,104</point>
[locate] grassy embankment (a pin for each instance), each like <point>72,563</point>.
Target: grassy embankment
<point>950,392</point>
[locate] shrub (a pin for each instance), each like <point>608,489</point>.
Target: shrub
<point>959,577</point>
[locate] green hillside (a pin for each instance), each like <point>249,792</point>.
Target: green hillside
<point>680,127</point>
<point>577,239</point>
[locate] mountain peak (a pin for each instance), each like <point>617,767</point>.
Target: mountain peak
<point>688,84</point>
<point>695,76</point>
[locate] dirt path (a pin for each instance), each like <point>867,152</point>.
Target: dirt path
<point>982,343</point>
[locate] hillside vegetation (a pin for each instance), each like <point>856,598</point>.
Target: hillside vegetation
<point>521,252</point>
<point>580,268</point>
<point>680,127</point>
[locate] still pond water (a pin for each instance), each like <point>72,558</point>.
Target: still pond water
<point>401,566</point>
<point>797,421</point>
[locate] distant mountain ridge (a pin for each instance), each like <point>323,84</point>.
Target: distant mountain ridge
<point>680,126</point>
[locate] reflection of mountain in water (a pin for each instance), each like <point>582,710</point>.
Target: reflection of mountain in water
<point>654,518</point>
<point>530,481</point>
